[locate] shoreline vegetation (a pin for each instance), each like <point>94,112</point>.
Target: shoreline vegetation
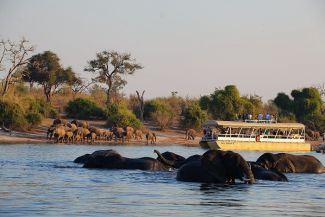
<point>37,89</point>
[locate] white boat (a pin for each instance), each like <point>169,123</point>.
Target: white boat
<point>259,135</point>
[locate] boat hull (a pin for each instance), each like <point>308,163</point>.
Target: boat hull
<point>257,146</point>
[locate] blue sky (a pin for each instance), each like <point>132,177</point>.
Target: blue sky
<point>192,47</point>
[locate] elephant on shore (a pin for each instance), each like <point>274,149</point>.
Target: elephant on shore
<point>289,163</point>
<point>151,136</point>
<point>260,173</point>
<point>110,159</point>
<point>190,134</point>
<point>217,166</point>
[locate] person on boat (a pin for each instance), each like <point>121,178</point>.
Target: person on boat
<point>260,117</point>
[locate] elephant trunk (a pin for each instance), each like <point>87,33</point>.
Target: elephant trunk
<point>248,174</point>
<point>164,160</point>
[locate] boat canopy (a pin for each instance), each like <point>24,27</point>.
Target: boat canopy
<point>235,124</point>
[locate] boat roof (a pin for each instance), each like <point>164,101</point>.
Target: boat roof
<point>214,123</point>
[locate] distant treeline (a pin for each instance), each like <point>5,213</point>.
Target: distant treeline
<point>38,86</point>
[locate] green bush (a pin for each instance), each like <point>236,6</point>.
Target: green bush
<point>84,109</point>
<point>39,106</point>
<point>12,115</point>
<point>161,112</point>
<point>53,113</point>
<point>193,116</point>
<point>118,115</point>
<point>34,118</point>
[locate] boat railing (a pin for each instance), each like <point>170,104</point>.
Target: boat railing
<point>260,121</point>
<point>293,136</point>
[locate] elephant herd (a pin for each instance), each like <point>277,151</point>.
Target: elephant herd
<point>214,166</point>
<point>80,132</point>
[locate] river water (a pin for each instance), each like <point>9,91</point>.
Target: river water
<point>42,180</point>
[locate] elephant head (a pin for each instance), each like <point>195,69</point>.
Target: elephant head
<point>269,160</point>
<point>170,159</point>
<point>226,166</point>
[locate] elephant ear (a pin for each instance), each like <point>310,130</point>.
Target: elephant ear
<point>284,165</point>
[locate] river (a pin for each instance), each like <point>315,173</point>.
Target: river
<point>42,180</point>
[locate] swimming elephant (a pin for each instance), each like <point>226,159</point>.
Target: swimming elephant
<point>190,134</point>
<point>110,159</point>
<point>194,171</point>
<point>175,160</point>
<point>289,163</point>
<point>217,166</point>
<point>261,173</point>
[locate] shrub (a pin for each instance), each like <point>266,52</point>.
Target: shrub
<point>39,106</point>
<point>161,112</point>
<point>193,116</point>
<point>12,115</point>
<point>83,109</point>
<point>119,115</point>
<point>34,118</point>
<point>53,113</point>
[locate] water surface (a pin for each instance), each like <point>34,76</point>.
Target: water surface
<point>42,180</point>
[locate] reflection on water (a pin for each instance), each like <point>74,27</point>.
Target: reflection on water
<point>43,180</point>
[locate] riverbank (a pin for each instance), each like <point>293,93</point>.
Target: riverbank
<point>171,136</point>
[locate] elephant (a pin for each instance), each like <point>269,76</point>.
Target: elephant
<point>194,171</point>
<point>289,163</point>
<point>217,166</point>
<point>59,133</point>
<point>108,135</point>
<point>138,134</point>
<point>50,132</point>
<point>226,166</point>
<point>92,136</point>
<point>110,159</point>
<point>81,133</point>
<point>82,159</point>
<point>261,173</point>
<point>190,134</point>
<point>118,133</point>
<point>175,160</point>
<point>83,124</point>
<point>151,136</point>
<point>59,121</point>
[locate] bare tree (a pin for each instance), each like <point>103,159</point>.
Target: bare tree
<point>16,54</point>
<point>321,89</point>
<point>80,86</point>
<point>141,104</point>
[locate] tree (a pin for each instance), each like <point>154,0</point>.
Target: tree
<point>16,54</point>
<point>194,116</point>
<point>79,86</point>
<point>119,116</point>
<point>225,103</point>
<point>141,104</point>
<point>306,102</point>
<point>45,69</point>
<point>109,66</point>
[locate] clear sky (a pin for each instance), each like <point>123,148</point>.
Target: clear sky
<point>192,47</point>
